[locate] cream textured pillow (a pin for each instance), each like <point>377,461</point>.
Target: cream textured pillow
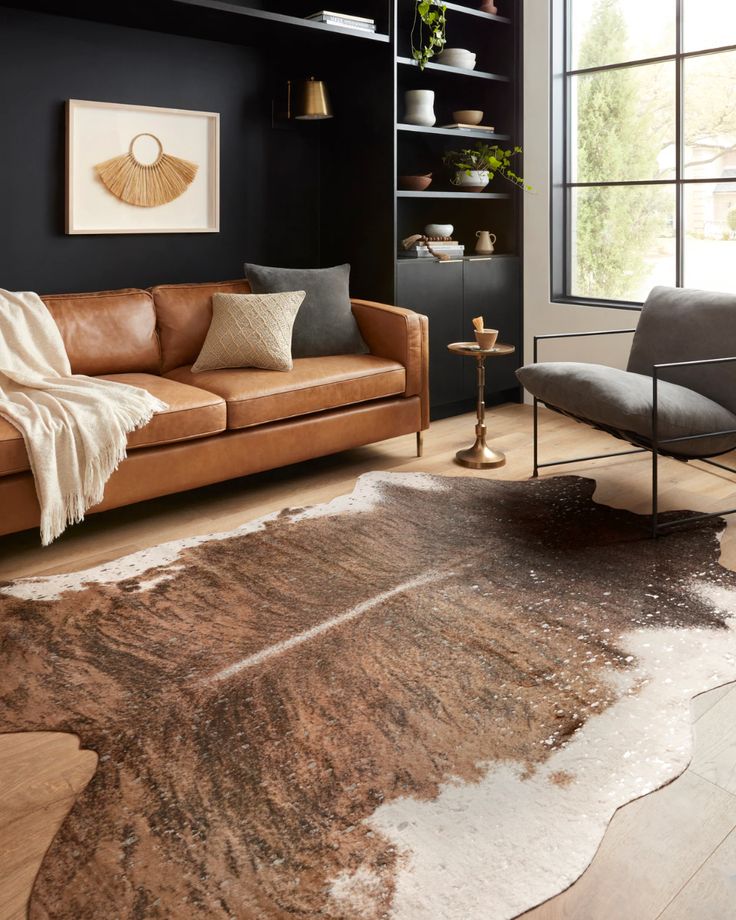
<point>250,330</point>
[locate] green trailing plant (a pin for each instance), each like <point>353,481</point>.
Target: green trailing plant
<point>428,31</point>
<point>488,158</point>
<point>731,220</point>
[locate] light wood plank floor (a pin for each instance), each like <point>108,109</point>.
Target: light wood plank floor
<point>670,855</point>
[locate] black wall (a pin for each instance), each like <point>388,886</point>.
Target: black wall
<point>270,195</point>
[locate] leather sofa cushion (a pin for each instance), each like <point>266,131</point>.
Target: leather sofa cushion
<point>107,332</point>
<point>184,314</point>
<point>192,413</point>
<point>255,397</point>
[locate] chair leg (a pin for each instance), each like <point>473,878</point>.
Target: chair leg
<point>535,438</point>
<point>420,443</point>
<point>655,486</point>
<point>655,455</point>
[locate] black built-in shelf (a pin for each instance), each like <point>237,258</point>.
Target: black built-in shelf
<point>455,132</point>
<point>282,19</point>
<point>453,291</point>
<point>458,71</point>
<point>480,196</point>
<point>469,11</point>
<point>221,20</point>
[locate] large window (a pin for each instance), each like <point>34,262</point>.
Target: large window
<point>644,147</point>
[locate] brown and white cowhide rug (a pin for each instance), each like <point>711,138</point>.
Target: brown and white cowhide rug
<point>423,701</point>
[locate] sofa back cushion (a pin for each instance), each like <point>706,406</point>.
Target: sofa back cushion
<point>108,332</point>
<point>184,314</point>
<point>684,324</point>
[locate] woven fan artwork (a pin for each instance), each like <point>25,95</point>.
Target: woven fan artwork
<point>146,185</point>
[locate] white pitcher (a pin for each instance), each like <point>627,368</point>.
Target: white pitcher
<point>485,242</point>
<point>419,107</point>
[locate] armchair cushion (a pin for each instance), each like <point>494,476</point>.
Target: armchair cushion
<point>622,401</point>
<point>684,324</point>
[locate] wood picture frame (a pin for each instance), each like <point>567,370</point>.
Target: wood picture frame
<point>102,133</point>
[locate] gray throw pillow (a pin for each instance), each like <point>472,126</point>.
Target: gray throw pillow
<point>325,324</point>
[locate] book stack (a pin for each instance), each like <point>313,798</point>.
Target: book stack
<point>458,126</point>
<point>344,20</point>
<point>450,248</point>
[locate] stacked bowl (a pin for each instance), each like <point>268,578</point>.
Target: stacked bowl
<point>456,57</point>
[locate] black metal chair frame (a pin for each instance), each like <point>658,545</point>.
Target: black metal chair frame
<point>657,445</point>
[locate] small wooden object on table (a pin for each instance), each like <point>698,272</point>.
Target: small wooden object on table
<point>480,456</point>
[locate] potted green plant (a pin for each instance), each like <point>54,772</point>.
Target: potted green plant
<point>432,16</point>
<point>474,167</point>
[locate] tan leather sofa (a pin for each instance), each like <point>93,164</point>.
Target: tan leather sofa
<point>226,423</point>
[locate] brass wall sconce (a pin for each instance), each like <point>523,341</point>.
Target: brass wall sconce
<point>307,100</point>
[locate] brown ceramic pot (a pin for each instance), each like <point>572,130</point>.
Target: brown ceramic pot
<point>415,183</point>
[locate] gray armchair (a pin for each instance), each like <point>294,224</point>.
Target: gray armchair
<point>677,396</point>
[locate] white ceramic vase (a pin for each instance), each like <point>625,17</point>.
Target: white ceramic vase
<point>419,107</point>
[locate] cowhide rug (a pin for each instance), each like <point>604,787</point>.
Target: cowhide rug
<point>420,702</point>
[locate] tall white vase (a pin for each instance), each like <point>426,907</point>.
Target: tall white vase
<point>419,107</point>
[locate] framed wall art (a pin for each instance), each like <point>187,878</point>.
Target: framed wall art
<point>141,169</point>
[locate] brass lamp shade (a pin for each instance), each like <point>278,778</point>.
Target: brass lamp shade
<point>310,100</point>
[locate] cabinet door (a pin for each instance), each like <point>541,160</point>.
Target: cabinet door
<point>492,289</point>
<point>436,289</point>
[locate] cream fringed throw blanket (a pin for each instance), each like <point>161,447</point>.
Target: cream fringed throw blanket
<point>75,428</point>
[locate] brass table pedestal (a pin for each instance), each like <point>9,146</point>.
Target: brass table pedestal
<point>480,456</point>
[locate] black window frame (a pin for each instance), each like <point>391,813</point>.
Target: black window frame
<point>560,126</point>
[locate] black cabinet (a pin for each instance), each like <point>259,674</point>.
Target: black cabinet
<point>435,289</point>
<point>492,289</point>
<point>451,294</point>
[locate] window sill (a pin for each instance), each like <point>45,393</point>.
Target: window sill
<point>592,302</point>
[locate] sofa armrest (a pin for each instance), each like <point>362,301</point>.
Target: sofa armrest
<point>400,335</point>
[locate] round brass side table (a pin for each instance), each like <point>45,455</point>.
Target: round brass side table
<point>480,456</point>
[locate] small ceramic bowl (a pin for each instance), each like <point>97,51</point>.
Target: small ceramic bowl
<point>415,183</point>
<point>452,51</point>
<point>487,338</point>
<point>444,230</point>
<point>468,116</point>
<point>456,57</point>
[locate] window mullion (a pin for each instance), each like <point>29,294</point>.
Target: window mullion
<point>679,149</point>
<point>644,62</point>
<point>567,123</point>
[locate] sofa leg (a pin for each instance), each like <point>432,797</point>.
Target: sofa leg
<point>535,439</point>
<point>420,443</point>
